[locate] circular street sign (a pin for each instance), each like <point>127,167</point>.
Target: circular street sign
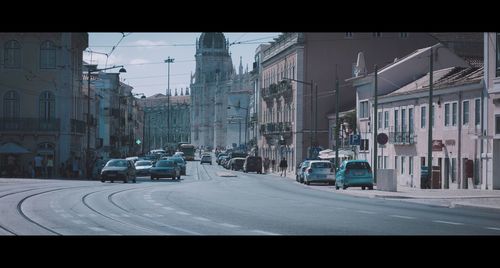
<point>138,142</point>
<point>382,138</point>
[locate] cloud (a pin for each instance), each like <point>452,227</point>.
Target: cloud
<point>147,43</point>
<point>100,59</point>
<point>138,61</point>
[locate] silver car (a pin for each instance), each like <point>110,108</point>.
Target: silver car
<point>319,171</point>
<point>143,167</point>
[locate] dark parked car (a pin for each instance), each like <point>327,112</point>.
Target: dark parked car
<point>180,161</point>
<point>166,169</point>
<point>118,169</point>
<point>253,164</point>
<point>236,163</point>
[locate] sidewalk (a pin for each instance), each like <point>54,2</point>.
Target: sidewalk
<point>467,198</point>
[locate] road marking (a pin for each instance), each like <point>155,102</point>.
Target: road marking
<point>449,222</point>
<point>80,215</point>
<point>402,217</point>
<point>365,212</point>
<point>264,232</point>
<point>493,228</point>
<point>125,215</point>
<point>65,215</point>
<point>92,215</point>
<point>113,215</point>
<point>229,225</point>
<point>59,210</point>
<point>148,215</point>
<point>201,219</point>
<point>97,229</point>
<point>183,213</point>
<point>168,208</point>
<point>157,204</point>
<point>78,222</point>
<point>339,208</point>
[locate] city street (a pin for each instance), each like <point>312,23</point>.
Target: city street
<point>204,203</point>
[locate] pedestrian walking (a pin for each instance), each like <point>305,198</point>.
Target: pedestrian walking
<point>283,167</point>
<point>266,164</point>
<point>38,165</point>
<point>50,166</point>
<point>273,165</point>
<point>76,167</point>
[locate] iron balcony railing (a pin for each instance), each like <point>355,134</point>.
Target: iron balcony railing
<point>402,138</point>
<point>26,124</point>
<point>275,128</point>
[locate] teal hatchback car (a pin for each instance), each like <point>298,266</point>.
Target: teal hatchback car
<point>354,173</point>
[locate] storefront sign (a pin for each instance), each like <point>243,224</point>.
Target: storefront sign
<point>437,145</point>
<point>449,142</point>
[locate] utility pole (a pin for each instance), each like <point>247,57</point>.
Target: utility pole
<point>88,124</point>
<point>431,116</point>
<point>375,125</point>
<point>168,61</point>
<point>316,117</point>
<point>336,131</point>
<point>311,123</point>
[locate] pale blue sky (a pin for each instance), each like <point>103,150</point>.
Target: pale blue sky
<point>143,56</point>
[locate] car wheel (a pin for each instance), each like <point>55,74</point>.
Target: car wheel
<point>362,187</point>
<point>102,180</point>
<point>112,181</point>
<point>336,187</point>
<point>179,178</point>
<point>344,186</point>
<point>370,187</point>
<point>134,179</point>
<point>308,183</point>
<point>152,178</point>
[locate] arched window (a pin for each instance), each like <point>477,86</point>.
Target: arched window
<point>48,55</point>
<point>11,104</point>
<point>47,105</point>
<point>12,54</point>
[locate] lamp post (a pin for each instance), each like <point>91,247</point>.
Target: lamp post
<point>246,121</point>
<point>90,69</point>
<point>312,87</point>
<point>168,61</point>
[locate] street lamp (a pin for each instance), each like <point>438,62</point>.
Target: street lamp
<point>246,121</point>
<point>312,87</point>
<point>168,61</point>
<point>90,69</point>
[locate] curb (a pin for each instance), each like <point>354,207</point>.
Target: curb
<point>478,207</point>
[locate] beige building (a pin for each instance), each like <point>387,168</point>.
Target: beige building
<point>490,126</point>
<point>40,91</point>
<point>294,115</point>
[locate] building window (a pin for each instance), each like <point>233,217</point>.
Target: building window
<point>386,119</point>
<point>385,161</point>
<point>410,120</point>
<point>403,160</point>
<point>403,120</point>
<point>11,104</point>
<point>465,112</point>
<point>47,105</point>
<point>379,162</point>
<point>447,114</point>
<point>453,169</point>
<point>423,114</point>
<point>410,162</point>
<point>454,111</point>
<point>396,120</point>
<point>377,34</point>
<point>348,34</point>
<point>48,55</point>
<point>379,119</point>
<point>12,54</point>
<point>403,35</point>
<point>363,109</point>
<point>498,54</point>
<point>497,124</point>
<point>364,145</point>
<point>396,163</point>
<point>477,112</point>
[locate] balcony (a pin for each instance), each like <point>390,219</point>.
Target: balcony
<point>25,124</point>
<point>280,128</point>
<point>283,88</point>
<point>402,138</point>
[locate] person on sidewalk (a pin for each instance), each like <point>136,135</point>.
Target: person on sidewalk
<point>273,165</point>
<point>283,167</point>
<point>38,165</point>
<point>266,165</point>
<point>50,166</point>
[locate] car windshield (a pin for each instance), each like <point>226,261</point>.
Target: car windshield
<point>167,163</point>
<point>358,165</point>
<point>177,160</point>
<point>117,163</point>
<point>321,165</point>
<point>143,163</point>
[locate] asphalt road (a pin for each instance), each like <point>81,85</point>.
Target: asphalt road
<point>203,203</point>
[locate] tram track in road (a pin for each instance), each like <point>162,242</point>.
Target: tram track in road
<point>20,211</point>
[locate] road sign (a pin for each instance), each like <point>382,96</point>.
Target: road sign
<point>355,139</point>
<point>382,138</point>
<point>138,141</point>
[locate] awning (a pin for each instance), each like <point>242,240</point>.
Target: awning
<point>330,154</point>
<point>12,148</point>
